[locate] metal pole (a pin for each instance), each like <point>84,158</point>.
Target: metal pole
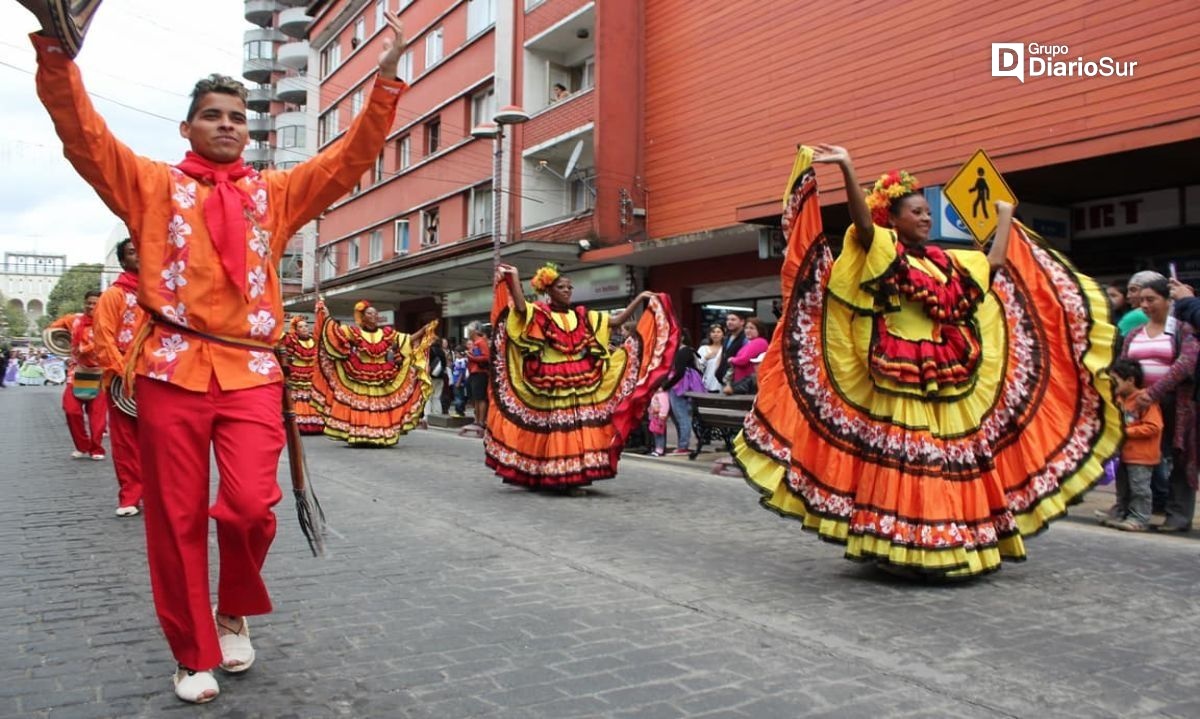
<point>496,205</point>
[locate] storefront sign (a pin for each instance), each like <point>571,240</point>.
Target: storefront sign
<point>1127,214</point>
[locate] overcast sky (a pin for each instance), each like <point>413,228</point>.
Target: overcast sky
<point>144,53</point>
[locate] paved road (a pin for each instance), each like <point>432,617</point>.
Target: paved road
<point>665,593</point>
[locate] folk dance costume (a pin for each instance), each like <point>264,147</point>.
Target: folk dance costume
<point>919,411</point>
<point>562,403</point>
<point>372,384</point>
<point>301,353</point>
<point>209,237</point>
<point>84,400</point>
<point>118,320</point>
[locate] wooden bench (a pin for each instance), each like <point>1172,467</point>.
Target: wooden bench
<point>717,416</point>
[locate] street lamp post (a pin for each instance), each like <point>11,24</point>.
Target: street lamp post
<point>508,115</point>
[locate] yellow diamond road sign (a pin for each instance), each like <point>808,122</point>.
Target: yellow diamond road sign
<point>973,192</point>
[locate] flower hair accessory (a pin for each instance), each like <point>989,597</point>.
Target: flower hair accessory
<point>296,320</point>
<point>544,277</point>
<point>888,187</point>
<point>360,309</point>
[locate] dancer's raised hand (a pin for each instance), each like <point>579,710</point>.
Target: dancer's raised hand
<point>393,47</point>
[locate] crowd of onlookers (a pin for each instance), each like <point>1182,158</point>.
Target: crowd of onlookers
<point>1155,379</point>
<point>23,366</point>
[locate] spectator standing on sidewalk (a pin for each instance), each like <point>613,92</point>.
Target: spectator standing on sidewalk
<point>1167,349</point>
<point>745,362</point>
<point>479,361</point>
<point>1140,454</point>
<point>684,378</point>
<point>660,408</point>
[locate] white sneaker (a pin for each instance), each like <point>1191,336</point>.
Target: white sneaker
<point>78,455</point>
<point>128,511</point>
<point>237,653</point>
<point>195,687</point>
<point>98,457</point>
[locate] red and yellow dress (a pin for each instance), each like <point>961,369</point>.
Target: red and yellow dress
<point>302,364</point>
<point>920,411</point>
<point>561,401</point>
<point>372,386</point>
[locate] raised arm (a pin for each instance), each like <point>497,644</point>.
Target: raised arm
<point>508,274</point>
<point>109,166</point>
<point>860,214</point>
<point>621,317</point>
<point>315,184</point>
<point>999,251</point>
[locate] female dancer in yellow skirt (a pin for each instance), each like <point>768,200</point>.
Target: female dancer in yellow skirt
<point>927,408</point>
<point>562,402</point>
<point>300,350</point>
<point>372,381</point>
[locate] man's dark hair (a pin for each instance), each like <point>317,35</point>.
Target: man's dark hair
<point>121,250</point>
<point>91,293</point>
<point>223,84</point>
<point>1128,369</point>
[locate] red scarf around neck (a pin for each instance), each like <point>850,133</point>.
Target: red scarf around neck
<point>79,333</point>
<point>224,211</point>
<point>128,281</point>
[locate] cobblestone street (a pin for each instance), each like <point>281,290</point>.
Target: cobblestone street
<point>666,592</point>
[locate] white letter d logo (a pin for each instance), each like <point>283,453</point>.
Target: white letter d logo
<point>1008,60</point>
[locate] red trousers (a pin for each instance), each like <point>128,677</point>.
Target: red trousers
<point>123,437</point>
<point>85,433</point>
<point>244,428</point>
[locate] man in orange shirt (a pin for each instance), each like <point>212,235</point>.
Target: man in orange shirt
<point>479,356</point>
<point>85,416</point>
<point>209,232</point>
<point>118,318</point>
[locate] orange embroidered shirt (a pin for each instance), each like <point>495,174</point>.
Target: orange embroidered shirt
<point>1143,434</point>
<point>117,320</point>
<point>84,353</point>
<point>180,276</point>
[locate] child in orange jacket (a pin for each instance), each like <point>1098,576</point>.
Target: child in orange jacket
<point>1141,452</point>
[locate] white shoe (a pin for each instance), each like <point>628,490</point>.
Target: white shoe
<point>195,687</point>
<point>128,511</point>
<point>98,457</point>
<point>237,653</point>
<point>78,455</point>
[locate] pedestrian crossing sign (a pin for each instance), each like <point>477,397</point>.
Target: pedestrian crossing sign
<point>973,192</point>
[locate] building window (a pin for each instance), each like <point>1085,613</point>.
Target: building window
<point>583,192</point>
<point>328,265</point>
<point>403,152</point>
<point>259,50</point>
<point>331,58</point>
<point>433,132</point>
<point>481,14</point>
<point>587,75</point>
<point>401,246</point>
<point>353,253</point>
<point>329,125</point>
<point>356,103</point>
<point>483,107</point>
<point>360,32</point>
<point>378,175</point>
<point>481,211</point>
<point>433,48</point>
<point>429,227</point>
<point>290,137</point>
<point>380,9</point>
<point>404,68</point>
<point>375,249</point>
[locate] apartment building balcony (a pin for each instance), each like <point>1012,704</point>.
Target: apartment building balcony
<point>293,89</point>
<point>259,69</point>
<point>294,22</point>
<point>257,156</point>
<point>261,12</point>
<point>565,56</point>
<point>568,114</point>
<point>294,55</point>
<point>558,178</point>
<point>259,98</point>
<point>259,127</point>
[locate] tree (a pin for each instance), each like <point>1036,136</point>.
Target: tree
<point>17,324</point>
<point>67,295</point>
